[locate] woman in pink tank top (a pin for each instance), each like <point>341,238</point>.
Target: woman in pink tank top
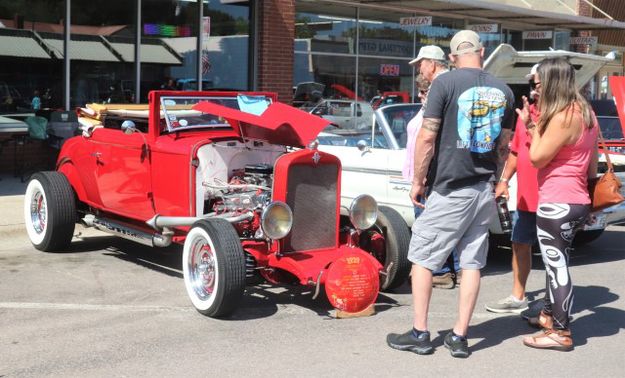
<point>564,149</point>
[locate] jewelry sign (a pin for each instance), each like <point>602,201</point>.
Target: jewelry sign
<point>411,22</point>
<point>592,41</point>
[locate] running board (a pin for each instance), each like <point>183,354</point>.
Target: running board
<point>128,232</point>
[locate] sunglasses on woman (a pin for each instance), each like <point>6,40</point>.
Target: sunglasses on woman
<point>534,84</point>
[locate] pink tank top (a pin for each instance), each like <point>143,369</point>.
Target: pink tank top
<point>565,178</point>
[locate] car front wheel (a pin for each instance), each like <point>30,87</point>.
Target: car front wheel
<point>213,265</point>
<point>388,242</point>
<point>49,211</point>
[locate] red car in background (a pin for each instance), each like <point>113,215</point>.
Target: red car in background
<point>213,171</point>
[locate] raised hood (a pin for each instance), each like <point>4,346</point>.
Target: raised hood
<point>511,66</point>
<point>617,85</point>
<point>278,124</point>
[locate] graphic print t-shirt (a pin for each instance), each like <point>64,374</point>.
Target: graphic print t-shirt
<point>474,107</point>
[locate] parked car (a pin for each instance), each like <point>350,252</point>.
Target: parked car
<point>374,155</point>
<point>615,142</point>
<point>345,114</point>
<point>196,168</point>
<point>388,98</point>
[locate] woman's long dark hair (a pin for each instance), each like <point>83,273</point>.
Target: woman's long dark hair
<point>559,93</point>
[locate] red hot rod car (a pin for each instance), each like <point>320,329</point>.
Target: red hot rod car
<point>214,171</point>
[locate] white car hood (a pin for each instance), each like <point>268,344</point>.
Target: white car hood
<point>511,66</point>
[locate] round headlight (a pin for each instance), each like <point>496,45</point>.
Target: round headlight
<point>276,220</point>
<point>363,212</point>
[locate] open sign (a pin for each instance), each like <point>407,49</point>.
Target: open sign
<point>389,69</point>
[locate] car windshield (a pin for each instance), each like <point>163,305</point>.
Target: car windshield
<point>397,118</point>
<point>612,132</point>
<point>611,128</point>
<point>351,138</point>
<point>180,115</point>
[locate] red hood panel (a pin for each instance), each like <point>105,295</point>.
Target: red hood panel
<point>617,84</point>
<point>279,124</point>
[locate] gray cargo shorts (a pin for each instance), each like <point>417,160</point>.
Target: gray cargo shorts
<point>461,220</point>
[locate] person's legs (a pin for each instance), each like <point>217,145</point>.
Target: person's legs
<point>435,234</point>
<point>521,266</point>
<point>421,294</point>
<point>469,291</point>
<point>473,249</point>
<point>557,225</point>
<point>523,236</point>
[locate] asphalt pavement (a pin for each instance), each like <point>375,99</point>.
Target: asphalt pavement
<point>109,307</point>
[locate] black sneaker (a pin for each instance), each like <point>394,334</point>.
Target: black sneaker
<point>457,345</point>
<point>407,341</point>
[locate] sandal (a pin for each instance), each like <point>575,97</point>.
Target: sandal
<point>543,320</point>
<point>556,339</point>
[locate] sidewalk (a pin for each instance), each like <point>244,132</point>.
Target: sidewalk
<point>11,204</point>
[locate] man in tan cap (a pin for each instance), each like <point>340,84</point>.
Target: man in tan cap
<point>463,141</point>
<point>430,62</point>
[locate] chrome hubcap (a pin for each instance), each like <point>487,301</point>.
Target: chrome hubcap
<point>38,212</point>
<point>202,268</point>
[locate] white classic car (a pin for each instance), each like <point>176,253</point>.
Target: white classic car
<point>345,114</point>
<point>372,157</point>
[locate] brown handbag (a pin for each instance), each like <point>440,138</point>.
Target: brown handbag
<point>604,191</point>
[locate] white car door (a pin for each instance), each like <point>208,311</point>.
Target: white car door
<point>398,188</point>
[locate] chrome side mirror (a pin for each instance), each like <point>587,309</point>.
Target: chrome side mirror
<point>128,127</point>
<point>362,145</point>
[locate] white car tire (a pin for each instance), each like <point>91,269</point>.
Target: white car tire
<point>49,211</point>
<point>213,265</point>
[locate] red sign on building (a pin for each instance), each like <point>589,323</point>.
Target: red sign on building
<point>389,69</point>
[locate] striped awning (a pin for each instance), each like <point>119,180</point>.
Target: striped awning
<point>150,53</point>
<point>82,50</point>
<point>21,44</point>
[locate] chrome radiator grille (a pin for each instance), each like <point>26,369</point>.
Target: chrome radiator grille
<point>312,195</point>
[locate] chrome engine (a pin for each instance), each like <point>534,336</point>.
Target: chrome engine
<point>247,190</point>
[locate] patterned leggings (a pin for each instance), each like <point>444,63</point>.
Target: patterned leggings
<point>556,225</point>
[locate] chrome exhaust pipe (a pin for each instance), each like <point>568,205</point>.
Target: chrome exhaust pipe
<point>159,222</point>
<point>128,232</point>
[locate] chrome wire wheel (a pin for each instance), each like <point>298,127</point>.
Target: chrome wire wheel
<point>202,268</point>
<point>38,211</point>
<point>213,264</point>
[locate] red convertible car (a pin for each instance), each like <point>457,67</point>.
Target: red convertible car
<point>233,177</point>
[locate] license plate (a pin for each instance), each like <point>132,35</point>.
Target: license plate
<point>597,224</point>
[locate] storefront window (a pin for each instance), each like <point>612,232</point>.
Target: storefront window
<point>385,46</point>
<point>562,40</point>
<point>102,49</point>
<point>29,67</point>
<point>379,43</point>
<point>226,29</point>
<point>100,71</point>
<point>330,31</point>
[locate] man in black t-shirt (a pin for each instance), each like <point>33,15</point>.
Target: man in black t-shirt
<point>461,145</point>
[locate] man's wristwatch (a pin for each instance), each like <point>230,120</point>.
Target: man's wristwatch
<point>503,180</point>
